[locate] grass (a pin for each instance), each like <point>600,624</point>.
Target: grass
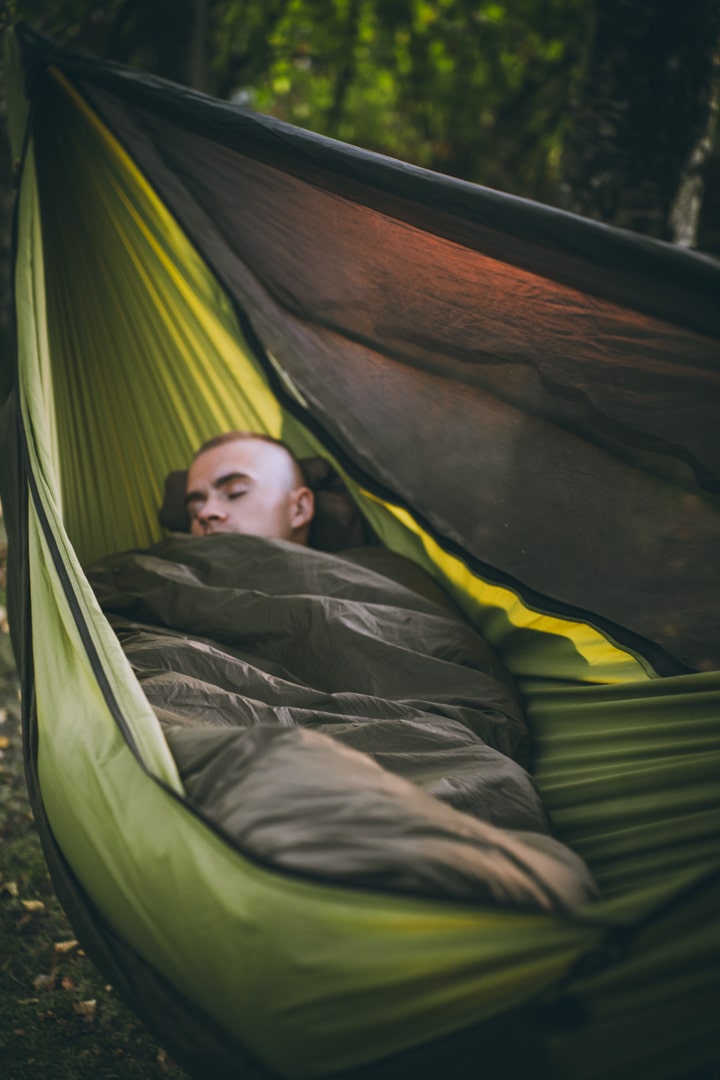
<point>58,1017</point>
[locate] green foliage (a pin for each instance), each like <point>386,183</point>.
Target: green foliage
<point>477,89</point>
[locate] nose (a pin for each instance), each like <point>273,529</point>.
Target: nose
<point>211,510</point>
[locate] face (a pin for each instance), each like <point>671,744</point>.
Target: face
<point>249,487</point>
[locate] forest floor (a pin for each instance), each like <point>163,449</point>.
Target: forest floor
<point>59,1018</point>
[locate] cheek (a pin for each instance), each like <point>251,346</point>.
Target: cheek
<point>195,529</point>
<point>259,512</point>
<point>251,506</point>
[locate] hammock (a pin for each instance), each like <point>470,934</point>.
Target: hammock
<point>524,403</point>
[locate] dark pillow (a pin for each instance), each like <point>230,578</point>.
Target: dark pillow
<point>337,524</point>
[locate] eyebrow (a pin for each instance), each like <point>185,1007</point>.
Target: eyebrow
<point>221,481</point>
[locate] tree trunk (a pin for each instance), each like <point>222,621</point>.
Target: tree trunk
<point>175,36</point>
<point>644,122</point>
<point>167,37</point>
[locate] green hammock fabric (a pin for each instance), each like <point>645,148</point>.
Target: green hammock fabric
<point>528,413</point>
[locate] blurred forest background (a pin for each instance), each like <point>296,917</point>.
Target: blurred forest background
<point>607,108</point>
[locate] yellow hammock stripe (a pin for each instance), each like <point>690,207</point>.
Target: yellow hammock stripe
<point>157,365</point>
<point>570,650</point>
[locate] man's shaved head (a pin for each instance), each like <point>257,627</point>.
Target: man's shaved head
<point>252,484</point>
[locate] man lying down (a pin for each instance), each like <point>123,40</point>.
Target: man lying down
<point>333,715</point>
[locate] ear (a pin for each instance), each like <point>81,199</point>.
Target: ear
<point>302,507</point>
